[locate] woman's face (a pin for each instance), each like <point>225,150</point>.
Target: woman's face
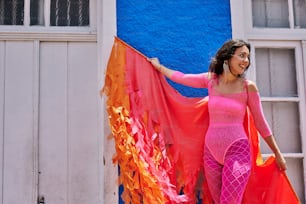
<point>239,62</point>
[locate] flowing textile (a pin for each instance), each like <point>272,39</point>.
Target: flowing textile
<point>159,137</point>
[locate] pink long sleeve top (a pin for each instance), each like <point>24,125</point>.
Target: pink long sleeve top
<point>226,112</point>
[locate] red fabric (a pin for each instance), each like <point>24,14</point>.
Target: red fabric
<point>267,184</point>
<point>159,137</point>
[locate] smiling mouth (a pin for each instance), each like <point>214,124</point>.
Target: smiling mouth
<point>243,67</point>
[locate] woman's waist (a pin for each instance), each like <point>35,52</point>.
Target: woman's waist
<point>225,132</point>
<point>226,124</point>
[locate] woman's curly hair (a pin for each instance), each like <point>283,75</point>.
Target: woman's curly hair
<point>225,53</point>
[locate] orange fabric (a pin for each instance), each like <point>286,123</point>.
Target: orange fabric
<point>159,137</point>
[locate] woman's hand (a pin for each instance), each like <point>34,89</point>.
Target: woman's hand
<point>161,68</point>
<point>155,62</point>
<point>281,162</point>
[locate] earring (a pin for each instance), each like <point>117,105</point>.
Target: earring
<point>225,65</point>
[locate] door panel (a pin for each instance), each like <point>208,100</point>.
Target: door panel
<point>276,73</point>
<point>68,136</point>
<point>53,161</point>
<point>18,161</point>
<point>82,123</point>
<point>2,51</point>
<point>278,114</point>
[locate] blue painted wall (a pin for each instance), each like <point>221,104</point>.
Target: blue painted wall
<point>183,34</point>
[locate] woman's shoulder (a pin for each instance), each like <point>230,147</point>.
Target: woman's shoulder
<point>252,87</point>
<point>211,75</point>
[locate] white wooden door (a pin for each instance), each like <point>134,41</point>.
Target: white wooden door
<point>52,123</point>
<point>49,137</point>
<point>69,168</point>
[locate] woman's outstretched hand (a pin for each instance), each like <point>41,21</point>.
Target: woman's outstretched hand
<point>161,68</point>
<point>155,62</point>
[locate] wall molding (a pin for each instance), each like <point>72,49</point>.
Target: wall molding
<point>49,36</point>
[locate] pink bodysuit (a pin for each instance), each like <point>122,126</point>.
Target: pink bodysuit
<point>226,113</point>
<point>227,160</point>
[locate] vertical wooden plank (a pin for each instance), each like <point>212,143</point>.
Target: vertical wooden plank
<point>47,6</point>
<point>83,137</point>
<point>2,93</point>
<point>291,14</point>
<point>26,21</point>
<point>301,56</point>
<point>53,123</point>
<point>238,19</point>
<point>18,124</point>
<point>36,53</point>
<point>106,30</point>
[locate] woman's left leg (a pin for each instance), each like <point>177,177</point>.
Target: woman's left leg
<point>236,172</point>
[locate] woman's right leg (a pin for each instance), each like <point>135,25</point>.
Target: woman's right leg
<point>236,172</point>
<point>213,175</point>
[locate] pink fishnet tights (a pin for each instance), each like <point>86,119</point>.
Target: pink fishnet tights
<point>227,182</point>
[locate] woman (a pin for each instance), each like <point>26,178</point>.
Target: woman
<point>227,156</point>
